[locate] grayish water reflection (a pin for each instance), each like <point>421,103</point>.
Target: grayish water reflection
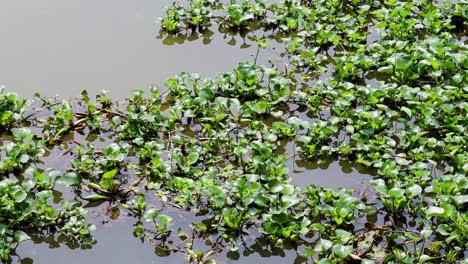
<point>331,174</point>
<point>62,47</point>
<point>116,244</point>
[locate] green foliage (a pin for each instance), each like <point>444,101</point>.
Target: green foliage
<point>411,119</point>
<point>26,206</point>
<point>11,109</point>
<point>378,83</point>
<point>23,150</point>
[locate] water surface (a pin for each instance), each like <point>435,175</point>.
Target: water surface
<point>63,47</point>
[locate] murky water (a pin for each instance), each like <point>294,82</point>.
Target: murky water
<point>116,244</point>
<point>63,47</point>
<point>122,248</point>
<point>331,174</point>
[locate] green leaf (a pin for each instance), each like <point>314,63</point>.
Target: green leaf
<point>206,94</point>
<point>19,195</point>
<point>165,219</point>
<point>402,161</point>
<point>288,189</point>
<point>71,179</point>
<point>110,174</point>
<point>460,199</point>
<point>396,192</point>
<point>261,201</point>
<point>342,251</point>
<point>329,130</point>
<point>424,258</point>
<point>323,245</point>
<point>414,190</point>
<point>117,120</point>
<point>21,236</point>
<point>107,179</point>
<point>319,227</point>
<point>22,133</point>
<point>139,141</point>
<point>247,199</point>
<point>193,157</point>
<point>407,111</point>
<point>139,230</point>
<point>448,108</point>
<point>261,107</point>
<point>246,73</point>
<point>379,185</point>
<point>28,184</point>
<point>276,186</point>
<point>95,197</point>
<point>426,233</point>
<point>218,201</point>
<point>428,111</point>
<point>386,69</point>
<point>343,235</point>
<point>150,215</point>
<point>444,229</point>
<point>435,211</point>
<point>281,218</point>
<point>24,158</point>
<point>290,200</point>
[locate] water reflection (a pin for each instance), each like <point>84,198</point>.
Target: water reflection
<point>330,173</point>
<point>116,244</point>
<point>56,47</point>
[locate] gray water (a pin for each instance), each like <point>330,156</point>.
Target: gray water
<point>63,47</point>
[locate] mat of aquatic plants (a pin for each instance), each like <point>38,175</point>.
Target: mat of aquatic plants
<point>199,163</point>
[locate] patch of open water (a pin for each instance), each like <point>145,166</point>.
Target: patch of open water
<point>56,47</point>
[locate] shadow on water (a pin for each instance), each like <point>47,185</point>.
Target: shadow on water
<point>330,173</point>
<point>116,244</point>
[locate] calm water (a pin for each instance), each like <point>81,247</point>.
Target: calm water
<point>62,47</point>
<point>58,47</point>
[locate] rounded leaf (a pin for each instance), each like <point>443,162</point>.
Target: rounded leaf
<point>71,179</point>
<point>342,251</point>
<point>193,158</point>
<point>150,215</point>
<point>21,236</point>
<point>165,219</point>
<point>435,211</point>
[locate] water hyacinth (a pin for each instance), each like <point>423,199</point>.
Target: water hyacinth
<point>379,83</point>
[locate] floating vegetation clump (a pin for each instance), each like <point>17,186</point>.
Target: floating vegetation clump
<point>380,83</point>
